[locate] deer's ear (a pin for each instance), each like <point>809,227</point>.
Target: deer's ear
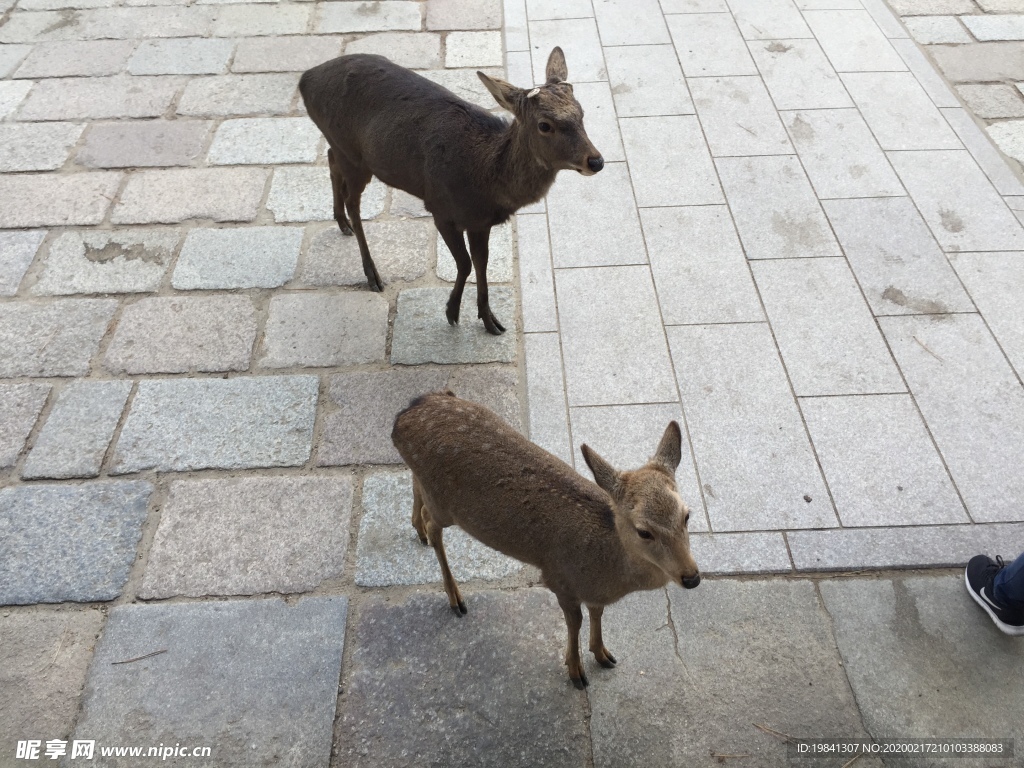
<point>669,450</point>
<point>557,71</point>
<point>604,473</point>
<point>506,94</point>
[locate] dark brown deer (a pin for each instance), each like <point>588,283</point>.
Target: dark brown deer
<point>594,544</point>
<point>472,169</point>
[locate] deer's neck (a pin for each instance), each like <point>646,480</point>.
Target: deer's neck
<point>522,178</point>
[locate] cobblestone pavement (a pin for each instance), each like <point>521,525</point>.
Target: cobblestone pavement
<point>196,388</point>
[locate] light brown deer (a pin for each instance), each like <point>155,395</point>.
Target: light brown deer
<point>472,169</point>
<point>594,544</point>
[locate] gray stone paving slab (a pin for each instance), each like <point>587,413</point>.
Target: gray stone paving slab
<point>463,14</point>
<point>934,84</point>
<point>389,551</point>
<point>265,141</point>
<point>738,117</point>
<point>304,194</point>
<point>12,93</point>
<point>786,675</point>
<point>359,430</point>
<point>612,339</point>
<point>765,476</point>
<point>536,277</point>
<point>400,250</point>
<point>494,678</point>
<point>853,42</point>
<point>729,553</point>
<point>144,144</point>
<point>886,20</point>
<point>186,424</point>
<point>45,659</point>
<point>768,19</point>
<point>369,17</point>
<point>267,692</point>
<point>1009,137</point>
<point>840,155</point>
<point>601,124</point>
<point>709,45</point>
<point>775,208</point>
<point>284,54</point>
<point>499,258</point>
<point>239,94</point>
<point>17,250</point>
<point>539,10</point>
<point>545,394</point>
<point>37,147</point>
<point>89,58</point>
<point>931,7</point>
<point>77,432</point>
<point>20,406</point>
<point>899,266</point>
<point>465,83</point>
<point>514,25</point>
<point>630,22</point>
<point>181,56</point>
<point>473,49</point>
<point>221,194</point>
<point>647,81</point>
<point>126,23</point>
<point>919,546</point>
<point>899,111</point>
<point>980,62</point>
<point>11,56</point>
<point>972,403</point>
<point>992,99</point>
<point>493,386</point>
<point>701,277</point>
<point>422,334</point>
<point>251,20</point>
<point>405,205</point>
<point>582,210</point>
<point>962,209</point>
<point>56,338</point>
<point>896,635</point>
<point>415,50</point>
<point>77,98</point>
<point>249,535</point>
<point>627,437</point>
<point>929,30</point>
<point>580,42</point>
<point>995,281</point>
<point>182,334</point>
<point>118,261</point>
<point>828,339</point>
<point>315,330</point>
<point>995,27</point>
<point>880,462</point>
<point>798,75</point>
<point>41,200</point>
<point>69,543</point>
<point>248,257</point>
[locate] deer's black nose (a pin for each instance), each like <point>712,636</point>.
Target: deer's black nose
<point>691,581</point>
<point>595,163</point>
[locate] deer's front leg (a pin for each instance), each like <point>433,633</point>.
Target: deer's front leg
<point>604,658</point>
<point>573,621</point>
<point>478,251</point>
<point>457,245</point>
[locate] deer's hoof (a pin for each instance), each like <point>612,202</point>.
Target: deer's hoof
<point>580,682</point>
<point>346,230</point>
<point>452,313</point>
<point>460,609</point>
<point>607,663</point>
<point>375,283</point>
<point>492,325</point>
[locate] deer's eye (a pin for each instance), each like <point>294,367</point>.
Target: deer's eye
<point>544,126</point>
<point>644,534</point>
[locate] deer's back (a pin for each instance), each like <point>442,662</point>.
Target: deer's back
<point>479,473</point>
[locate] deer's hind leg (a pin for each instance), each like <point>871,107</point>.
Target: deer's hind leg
<point>418,512</point>
<point>354,180</point>
<point>338,188</point>
<point>435,536</point>
<point>457,245</point>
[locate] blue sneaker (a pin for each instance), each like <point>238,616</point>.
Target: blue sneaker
<point>980,573</point>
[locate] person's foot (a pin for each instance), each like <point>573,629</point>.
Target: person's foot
<point>980,573</point>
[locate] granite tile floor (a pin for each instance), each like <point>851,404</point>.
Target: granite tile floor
<point>802,247</point>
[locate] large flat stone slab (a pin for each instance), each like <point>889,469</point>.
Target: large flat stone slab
<point>17,249</point>
<point>389,552</point>
<point>56,338</point>
<point>784,673</point>
<point>245,257</point>
<point>995,281</point>
<point>178,334</point>
<point>77,433</point>
<point>249,535</point>
<point>485,689</point>
<point>400,251</point>
<point>922,658</point>
<point>173,195</point>
<point>56,200</point>
<point>44,655</point>
<point>144,144</point>
<point>422,333</point>
<point>255,680</point>
<point>120,261</point>
<point>185,424</point>
<point>20,405</point>
<point>69,543</point>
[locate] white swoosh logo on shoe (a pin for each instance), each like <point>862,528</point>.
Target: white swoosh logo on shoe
<point>988,600</point>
